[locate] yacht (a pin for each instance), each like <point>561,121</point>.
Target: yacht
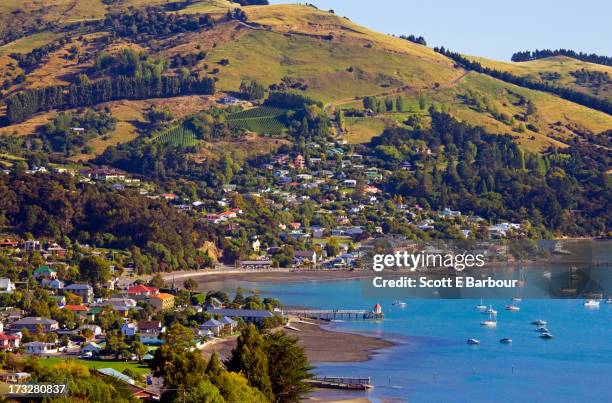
<point>491,322</point>
<point>517,299</point>
<point>481,306</point>
<point>513,308</point>
<point>546,336</point>
<point>539,322</point>
<point>491,311</point>
<point>505,340</point>
<point>473,342</point>
<point>542,329</point>
<point>399,303</point>
<point>591,303</point>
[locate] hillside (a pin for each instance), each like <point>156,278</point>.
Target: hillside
<point>328,58</point>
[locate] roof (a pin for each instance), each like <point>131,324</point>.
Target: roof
<point>78,287</point>
<point>4,336</point>
<point>35,320</point>
<point>211,323</point>
<point>149,325</point>
<point>81,308</point>
<point>44,269</point>
<point>250,313</point>
<point>142,289</point>
<point>116,374</point>
<point>163,296</point>
<point>227,321</point>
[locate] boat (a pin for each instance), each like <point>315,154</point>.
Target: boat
<point>399,303</point>
<point>591,303</point>
<point>505,340</point>
<point>491,322</point>
<point>517,299</point>
<point>542,329</point>
<point>480,306</point>
<point>547,336</point>
<point>609,301</point>
<point>473,342</point>
<point>559,250</point>
<point>491,311</point>
<point>513,308</point>
<point>539,322</point>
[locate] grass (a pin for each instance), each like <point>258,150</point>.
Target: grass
<point>98,364</point>
<point>558,64</point>
<point>177,136</point>
<point>29,43</point>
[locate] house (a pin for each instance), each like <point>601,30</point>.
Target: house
<point>306,256</point>
<point>91,347</point>
<point>142,291</point>
<point>211,325</point>
<point>121,304</point>
<point>9,342</point>
<point>33,323</point>
<point>161,301</point>
<point>248,315</point>
<point>15,377</point>
<point>105,174</point>
<point>56,250</point>
<point>8,244</point>
<point>349,183</point>
<point>229,324</point>
<point>6,286</point>
<point>52,283</point>
<point>150,327</point>
<point>40,348</point>
<point>129,329</point>
<point>299,162</point>
<point>44,272</point>
<point>85,291</point>
<point>32,246</point>
<point>117,375</point>
<point>95,329</point>
<point>78,309</point>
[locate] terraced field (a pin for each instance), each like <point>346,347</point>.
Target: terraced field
<point>263,119</point>
<point>178,137</point>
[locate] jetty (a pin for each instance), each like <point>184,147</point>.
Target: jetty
<point>333,314</point>
<point>340,382</point>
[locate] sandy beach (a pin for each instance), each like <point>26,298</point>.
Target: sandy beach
<point>321,345</point>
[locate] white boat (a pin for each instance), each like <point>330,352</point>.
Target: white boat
<point>399,303</point>
<point>539,322</point>
<point>513,308</point>
<point>481,306</point>
<point>542,329</point>
<point>505,340</point>
<point>517,299</point>
<point>491,311</point>
<point>546,336</point>
<point>609,301</point>
<point>473,342</point>
<point>491,322</point>
<point>591,303</point>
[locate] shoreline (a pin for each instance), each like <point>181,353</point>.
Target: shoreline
<point>322,345</point>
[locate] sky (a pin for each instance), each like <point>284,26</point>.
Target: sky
<point>493,29</point>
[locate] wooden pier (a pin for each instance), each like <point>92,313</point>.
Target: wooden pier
<point>333,314</point>
<point>340,382</point>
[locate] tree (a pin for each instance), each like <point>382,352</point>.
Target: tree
<point>203,392</point>
<point>139,349</point>
<point>399,104</point>
<point>94,269</point>
<point>158,281</point>
<point>249,357</point>
<point>235,388</point>
<point>190,284</point>
<point>288,367</point>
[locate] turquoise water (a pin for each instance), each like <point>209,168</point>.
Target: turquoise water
<point>432,361</point>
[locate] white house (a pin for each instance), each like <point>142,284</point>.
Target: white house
<point>92,347</point>
<point>39,348</point>
<point>6,286</point>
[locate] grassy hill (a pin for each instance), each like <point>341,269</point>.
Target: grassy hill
<point>333,60</point>
<point>547,69</point>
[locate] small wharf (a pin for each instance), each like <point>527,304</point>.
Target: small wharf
<point>341,382</point>
<point>333,314</point>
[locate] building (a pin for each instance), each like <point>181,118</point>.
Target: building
<point>33,323</point>
<point>255,264</point>
<point>248,315</point>
<point>299,162</point>
<point>32,246</point>
<point>161,301</point>
<point>150,327</point>
<point>56,250</point>
<point>40,348</point>
<point>129,329</point>
<point>44,272</point>
<point>92,347</point>
<point>142,291</point>
<point>15,377</point>
<point>212,325</point>
<point>9,342</point>
<point>229,324</point>
<point>306,256</point>
<point>6,286</point>
<point>8,244</point>
<point>122,305</point>
<point>85,291</point>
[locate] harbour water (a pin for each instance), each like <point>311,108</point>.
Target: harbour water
<point>432,361</point>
